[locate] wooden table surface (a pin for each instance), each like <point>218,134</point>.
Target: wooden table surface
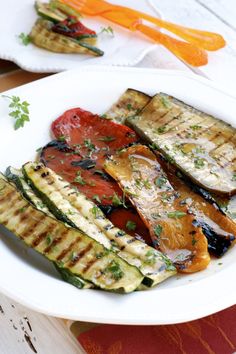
<point>23,331</point>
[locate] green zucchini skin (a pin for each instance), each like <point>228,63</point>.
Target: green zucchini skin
<point>75,209</point>
<point>15,176</point>
<point>49,12</point>
<point>200,145</point>
<point>69,248</point>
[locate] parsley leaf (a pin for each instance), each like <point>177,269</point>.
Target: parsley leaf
<point>108,30</point>
<point>25,38</point>
<point>18,110</point>
<point>130,225</point>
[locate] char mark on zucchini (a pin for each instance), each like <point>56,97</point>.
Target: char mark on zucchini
<point>31,225</point>
<point>76,210</point>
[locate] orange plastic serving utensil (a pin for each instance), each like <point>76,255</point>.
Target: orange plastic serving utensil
<point>204,39</point>
<point>183,50</point>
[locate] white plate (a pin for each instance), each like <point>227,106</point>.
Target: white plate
<point>124,48</point>
<point>31,280</point>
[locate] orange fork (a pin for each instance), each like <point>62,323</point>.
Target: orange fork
<point>188,52</point>
<point>204,39</point>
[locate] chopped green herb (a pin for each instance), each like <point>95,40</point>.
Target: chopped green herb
<point>195,127</point>
<point>153,146</point>
<point>161,130</point>
<point>107,138</point>
<point>73,256</point>
<point>39,149</point>
<point>97,199</point>
<point>158,230</point>
<point>116,200</point>
<point>22,210</point>
<point>115,270</point>
<point>19,111</point>
<point>79,179</point>
<point>25,38</point>
<point>176,214</point>
<point>151,256</point>
<point>103,116</point>
<point>131,225</point>
<point>129,106</point>
<point>49,240</point>
<point>62,138</point>
<point>140,183</point>
<point>108,30</point>
<point>160,181</point>
<point>234,177</point>
<point>96,212</point>
<point>199,162</point>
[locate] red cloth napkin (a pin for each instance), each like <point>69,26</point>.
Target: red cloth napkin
<point>215,334</point>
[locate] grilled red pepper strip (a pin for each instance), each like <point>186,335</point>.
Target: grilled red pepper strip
<point>73,28</point>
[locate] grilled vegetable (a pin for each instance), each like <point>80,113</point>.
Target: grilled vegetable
<point>49,12</point>
<point>73,208</point>
<point>70,248</point>
<point>42,36</point>
<point>91,139</point>
<point>73,28</point>
<point>82,173</point>
<point>200,145</point>
<point>170,226</point>
<point>219,229</point>
<point>129,104</point>
<point>17,178</point>
<point>69,11</point>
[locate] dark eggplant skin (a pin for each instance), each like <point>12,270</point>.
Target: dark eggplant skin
<point>218,244</point>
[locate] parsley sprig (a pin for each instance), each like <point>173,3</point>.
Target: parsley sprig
<point>18,110</point>
<point>25,38</point>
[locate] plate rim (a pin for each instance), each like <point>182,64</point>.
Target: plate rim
<point>215,306</point>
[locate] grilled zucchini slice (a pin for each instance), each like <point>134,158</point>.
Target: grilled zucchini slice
<point>129,104</point>
<point>73,207</point>
<point>42,36</point>
<point>49,12</point>
<point>69,248</point>
<point>200,145</point>
<point>16,176</point>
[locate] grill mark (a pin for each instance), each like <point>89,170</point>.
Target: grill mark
<point>90,264</point>
<point>41,236</point>
<point>56,241</point>
<point>31,228</point>
<point>80,255</point>
<point>68,249</point>
<point>7,196</point>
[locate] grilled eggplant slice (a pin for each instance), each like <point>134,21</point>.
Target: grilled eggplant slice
<point>17,178</point>
<point>170,225</point>
<point>74,208</point>
<point>71,249</point>
<point>42,36</point>
<point>200,145</point>
<point>128,105</point>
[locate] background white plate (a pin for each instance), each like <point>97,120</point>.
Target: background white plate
<point>30,279</point>
<point>124,48</point>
